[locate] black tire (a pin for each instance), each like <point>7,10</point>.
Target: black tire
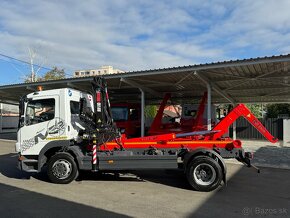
<point>62,168</point>
<point>204,173</point>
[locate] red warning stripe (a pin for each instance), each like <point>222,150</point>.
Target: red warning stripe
<point>95,154</point>
<point>98,96</point>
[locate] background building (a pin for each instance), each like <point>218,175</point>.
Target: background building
<point>9,116</point>
<point>101,71</point>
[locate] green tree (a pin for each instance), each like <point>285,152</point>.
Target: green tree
<point>256,109</point>
<point>54,74</point>
<point>273,110</point>
<point>150,111</point>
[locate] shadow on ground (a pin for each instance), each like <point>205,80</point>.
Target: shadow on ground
<point>172,178</point>
<point>16,202</point>
<point>9,135</point>
<point>175,178</point>
<point>249,194</point>
<point>8,168</point>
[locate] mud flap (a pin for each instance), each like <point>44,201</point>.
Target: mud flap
<point>225,176</point>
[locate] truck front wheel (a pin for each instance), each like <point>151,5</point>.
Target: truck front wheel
<point>204,173</point>
<point>62,168</point>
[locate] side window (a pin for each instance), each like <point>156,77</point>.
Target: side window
<point>38,111</point>
<point>74,107</point>
<point>120,113</point>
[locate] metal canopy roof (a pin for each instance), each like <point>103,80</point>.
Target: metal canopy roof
<point>254,80</point>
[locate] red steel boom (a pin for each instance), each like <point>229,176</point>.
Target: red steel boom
<point>241,110</point>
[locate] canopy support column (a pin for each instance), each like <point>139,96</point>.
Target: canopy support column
<point>208,86</point>
<point>142,112</point>
<point>234,130</point>
<point>136,85</point>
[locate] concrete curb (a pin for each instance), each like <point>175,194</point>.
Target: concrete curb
<point>7,140</point>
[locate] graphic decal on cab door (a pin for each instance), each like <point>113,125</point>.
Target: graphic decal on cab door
<point>54,131</point>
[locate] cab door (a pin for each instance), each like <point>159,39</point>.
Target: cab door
<point>41,124</point>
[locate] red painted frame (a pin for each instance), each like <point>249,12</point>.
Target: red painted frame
<point>207,139</point>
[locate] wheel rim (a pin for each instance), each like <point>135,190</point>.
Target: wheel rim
<point>204,174</point>
<point>61,169</point>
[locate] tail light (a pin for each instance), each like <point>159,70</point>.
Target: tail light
<point>234,144</point>
<point>230,146</point>
<point>237,143</point>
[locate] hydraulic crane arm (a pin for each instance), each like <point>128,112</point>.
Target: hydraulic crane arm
<point>238,111</point>
<point>100,124</point>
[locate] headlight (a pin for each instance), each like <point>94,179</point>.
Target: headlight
<point>17,146</point>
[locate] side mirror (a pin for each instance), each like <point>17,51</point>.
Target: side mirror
<point>21,121</point>
<point>21,106</point>
<point>82,105</point>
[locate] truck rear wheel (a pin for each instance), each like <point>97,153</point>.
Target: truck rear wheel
<point>62,168</point>
<point>204,173</point>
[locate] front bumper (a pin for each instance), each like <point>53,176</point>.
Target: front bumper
<point>27,165</point>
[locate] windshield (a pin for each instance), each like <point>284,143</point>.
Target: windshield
<point>38,111</point>
<point>120,113</point>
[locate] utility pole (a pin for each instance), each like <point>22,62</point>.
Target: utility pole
<point>32,55</point>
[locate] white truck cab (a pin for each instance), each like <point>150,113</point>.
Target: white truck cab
<point>48,116</point>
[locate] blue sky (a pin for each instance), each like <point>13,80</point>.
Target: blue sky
<point>137,35</point>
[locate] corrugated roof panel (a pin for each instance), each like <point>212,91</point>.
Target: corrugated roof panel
<point>228,76</point>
